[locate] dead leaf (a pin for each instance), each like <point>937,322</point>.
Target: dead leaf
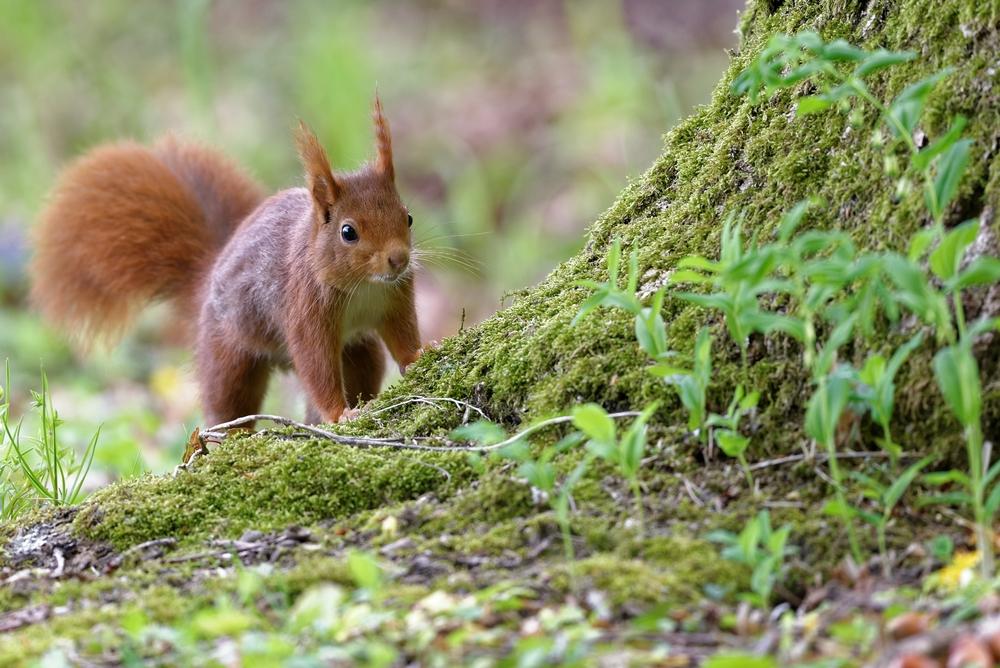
<point>968,652</point>
<point>908,624</point>
<point>194,446</point>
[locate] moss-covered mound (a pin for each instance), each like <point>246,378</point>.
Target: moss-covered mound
<point>450,521</point>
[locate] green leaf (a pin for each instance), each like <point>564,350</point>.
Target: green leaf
<point>594,421</point>
<point>592,302</point>
<point>699,263</point>
<point>840,49</point>
<point>950,168</point>
<point>538,474</point>
<point>840,335</point>
<point>895,492</point>
<point>951,499</point>
<point>906,109</point>
<point>946,258</point>
<point>811,104</point>
<point>957,376</point>
<point>749,401</point>
<point>920,242</point>
<point>941,144</point>
<point>651,332</point>
<point>668,371</point>
<point>604,449</point>
<point>881,59</point>
<point>633,272</point>
<point>825,408</point>
<point>992,502</point>
<point>719,301</point>
<point>633,445</point>
<point>898,357</point>
<point>792,218</point>
<point>481,431</point>
<point>981,271</point>
<point>688,276</point>
<point>364,570</point>
<point>835,508</point>
<point>614,260</point>
<point>939,478</point>
<point>731,443</point>
<point>517,451</point>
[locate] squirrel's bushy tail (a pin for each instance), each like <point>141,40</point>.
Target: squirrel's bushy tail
<point>126,225</point>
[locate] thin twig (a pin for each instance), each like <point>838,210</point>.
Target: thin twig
<point>218,432</point>
<point>149,543</point>
<point>430,401</point>
<point>820,457</point>
<point>547,423</point>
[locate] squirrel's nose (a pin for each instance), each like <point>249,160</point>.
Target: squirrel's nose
<point>398,259</point>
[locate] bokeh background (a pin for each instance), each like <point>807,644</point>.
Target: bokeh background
<point>515,124</point>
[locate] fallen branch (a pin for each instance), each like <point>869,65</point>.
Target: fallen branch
<point>219,432</point>
<point>820,457</point>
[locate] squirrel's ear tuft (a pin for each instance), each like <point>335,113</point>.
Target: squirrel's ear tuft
<point>383,142</point>
<point>319,177</point>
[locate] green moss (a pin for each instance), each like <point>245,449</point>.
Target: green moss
<point>675,575</point>
<point>264,484</point>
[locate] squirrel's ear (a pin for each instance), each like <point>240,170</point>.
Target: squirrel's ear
<point>319,177</point>
<point>383,142</point>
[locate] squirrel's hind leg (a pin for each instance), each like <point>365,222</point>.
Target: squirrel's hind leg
<point>231,382</point>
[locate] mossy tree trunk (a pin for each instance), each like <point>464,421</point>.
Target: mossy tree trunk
<point>730,157</point>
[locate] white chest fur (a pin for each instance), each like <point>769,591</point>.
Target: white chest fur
<point>366,309</point>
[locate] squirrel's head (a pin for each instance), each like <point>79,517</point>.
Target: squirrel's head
<point>360,227</point>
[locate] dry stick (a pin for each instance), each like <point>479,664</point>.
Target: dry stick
<point>820,457</point>
<point>430,401</point>
<point>218,432</point>
<point>541,425</point>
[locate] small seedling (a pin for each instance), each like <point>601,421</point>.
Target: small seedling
<point>885,496</point>
<point>762,549</point>
<point>692,384</point>
<point>879,390</point>
<point>626,452</point>
<point>726,429</point>
<point>540,472</point>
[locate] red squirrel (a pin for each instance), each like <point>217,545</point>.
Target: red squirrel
<point>310,277</point>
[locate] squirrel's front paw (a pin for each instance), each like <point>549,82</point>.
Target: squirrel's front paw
<point>348,415</point>
<point>430,345</point>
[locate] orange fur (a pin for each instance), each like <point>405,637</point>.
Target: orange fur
<point>127,224</point>
<point>277,284</point>
<point>383,142</point>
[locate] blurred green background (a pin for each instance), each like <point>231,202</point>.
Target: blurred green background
<point>515,125</point>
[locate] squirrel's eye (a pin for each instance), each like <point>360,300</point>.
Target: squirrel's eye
<point>409,220</point>
<point>349,234</point>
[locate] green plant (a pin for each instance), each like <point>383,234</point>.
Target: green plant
<point>726,432</point>
<point>692,384</point>
<point>541,473</point>
<point>762,549</point>
<point>885,496</point>
<point>40,469</point>
<point>626,452</point>
<point>840,70</point>
<point>738,278</point>
<point>879,390</point>
<point>824,411</point>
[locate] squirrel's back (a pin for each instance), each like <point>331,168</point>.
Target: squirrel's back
<point>127,224</point>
